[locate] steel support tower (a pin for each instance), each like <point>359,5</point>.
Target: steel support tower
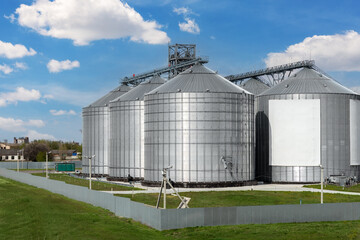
<point>180,57</point>
<point>180,53</point>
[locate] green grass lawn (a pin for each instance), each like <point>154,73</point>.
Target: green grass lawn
<point>355,188</point>
<point>102,186</point>
<point>241,198</point>
<point>28,212</point>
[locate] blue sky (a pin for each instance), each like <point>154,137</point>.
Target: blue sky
<point>59,56</point>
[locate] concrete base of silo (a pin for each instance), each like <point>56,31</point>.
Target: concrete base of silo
<point>124,179</point>
<point>202,184</point>
<point>93,175</point>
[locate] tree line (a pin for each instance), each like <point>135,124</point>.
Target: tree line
<point>36,150</point>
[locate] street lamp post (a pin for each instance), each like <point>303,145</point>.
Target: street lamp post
<point>46,165</point>
<point>17,165</point>
<point>90,169</point>
<point>322,183</point>
<point>22,158</point>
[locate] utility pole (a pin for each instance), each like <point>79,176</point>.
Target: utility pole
<point>46,164</point>
<point>90,169</point>
<point>17,161</point>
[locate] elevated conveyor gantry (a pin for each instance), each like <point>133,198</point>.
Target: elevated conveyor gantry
<point>274,74</point>
<point>135,80</point>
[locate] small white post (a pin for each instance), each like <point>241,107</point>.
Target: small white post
<point>22,158</point>
<point>322,183</point>
<point>46,165</point>
<point>164,192</point>
<point>90,173</point>
<point>90,169</point>
<point>18,162</point>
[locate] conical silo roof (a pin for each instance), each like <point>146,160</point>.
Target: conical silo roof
<point>308,81</point>
<point>255,86</point>
<point>137,93</point>
<point>198,78</point>
<point>113,94</point>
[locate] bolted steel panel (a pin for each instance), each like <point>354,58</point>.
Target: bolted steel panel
<point>127,131</point>
<point>96,132</point>
<point>191,127</point>
<point>334,129</point>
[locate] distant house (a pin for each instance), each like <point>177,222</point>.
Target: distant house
<point>11,155</point>
<point>4,146</point>
<point>64,155</point>
<point>21,140</point>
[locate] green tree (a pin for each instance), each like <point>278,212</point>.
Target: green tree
<point>31,150</point>
<point>54,145</point>
<point>41,157</point>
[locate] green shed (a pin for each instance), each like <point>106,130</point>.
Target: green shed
<point>65,167</point>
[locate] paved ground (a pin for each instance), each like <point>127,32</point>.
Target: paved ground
<point>263,187</point>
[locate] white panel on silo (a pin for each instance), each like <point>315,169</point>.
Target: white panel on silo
<point>354,132</point>
<point>294,132</point>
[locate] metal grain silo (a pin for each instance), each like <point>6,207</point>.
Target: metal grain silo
<point>307,120</point>
<point>96,132</point>
<point>127,131</point>
<point>254,86</point>
<point>202,125</point>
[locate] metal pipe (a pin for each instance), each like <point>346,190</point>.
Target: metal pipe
<point>159,197</point>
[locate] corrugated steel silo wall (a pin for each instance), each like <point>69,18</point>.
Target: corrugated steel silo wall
<point>335,140</point>
<point>96,133</point>
<point>192,131</point>
<point>127,139</point>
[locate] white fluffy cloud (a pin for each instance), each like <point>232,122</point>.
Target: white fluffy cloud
<point>182,10</point>
<point>34,135</point>
<point>18,125</point>
<point>19,95</point>
<point>35,123</point>
<point>11,17</point>
<point>20,65</point>
<point>55,66</point>
<point>5,69</point>
<point>8,50</point>
<point>339,52</point>
<point>189,26</point>
<point>84,21</point>
<point>62,112</point>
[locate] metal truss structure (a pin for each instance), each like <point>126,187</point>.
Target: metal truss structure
<point>180,53</point>
<point>180,57</point>
<point>274,75</point>
<point>183,56</point>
